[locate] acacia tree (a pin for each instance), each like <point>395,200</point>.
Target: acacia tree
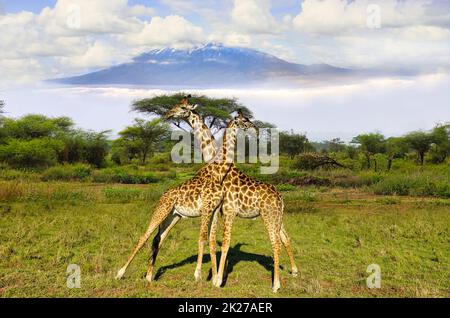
<point>370,144</point>
<point>36,126</point>
<point>396,147</point>
<point>336,145</point>
<point>420,142</point>
<point>142,138</point>
<point>215,111</point>
<point>293,144</point>
<point>440,148</point>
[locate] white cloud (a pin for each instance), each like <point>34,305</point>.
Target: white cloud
<point>411,34</point>
<point>233,38</point>
<point>170,30</point>
<point>85,16</point>
<point>338,16</point>
<point>254,16</point>
<point>76,36</point>
<point>96,55</point>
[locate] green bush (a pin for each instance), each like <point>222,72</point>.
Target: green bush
<point>31,153</point>
<point>417,184</point>
<point>286,187</point>
<point>77,172</point>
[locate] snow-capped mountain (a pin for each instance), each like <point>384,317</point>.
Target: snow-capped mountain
<point>204,66</point>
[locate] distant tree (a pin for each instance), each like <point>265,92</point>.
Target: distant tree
<point>215,111</point>
<point>420,142</point>
<point>336,145</point>
<point>142,138</point>
<point>351,151</point>
<point>370,144</point>
<point>96,148</point>
<point>2,120</point>
<point>396,147</point>
<point>440,147</point>
<point>36,126</point>
<point>320,146</point>
<point>30,134</point>
<point>293,144</point>
<point>40,152</point>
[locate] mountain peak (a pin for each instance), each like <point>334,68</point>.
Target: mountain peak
<point>210,64</point>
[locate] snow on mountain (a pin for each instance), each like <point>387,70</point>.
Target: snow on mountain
<point>209,65</point>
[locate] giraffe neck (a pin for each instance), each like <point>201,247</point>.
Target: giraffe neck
<point>224,159</point>
<point>204,136</point>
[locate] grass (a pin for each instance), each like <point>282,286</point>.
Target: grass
<point>336,234</point>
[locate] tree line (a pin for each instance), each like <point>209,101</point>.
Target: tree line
<point>41,141</point>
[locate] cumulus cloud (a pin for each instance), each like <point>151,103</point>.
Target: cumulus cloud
<point>338,16</point>
<point>76,36</point>
<point>386,34</point>
<point>254,16</point>
<point>166,31</point>
<point>85,16</point>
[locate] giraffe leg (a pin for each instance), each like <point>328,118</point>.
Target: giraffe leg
<point>227,227</point>
<point>275,240</point>
<point>161,213</point>
<point>203,237</point>
<point>287,245</point>
<point>164,230</point>
<point>207,226</point>
<point>212,244</point>
<point>273,227</point>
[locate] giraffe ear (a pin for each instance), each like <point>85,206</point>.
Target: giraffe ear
<point>194,106</point>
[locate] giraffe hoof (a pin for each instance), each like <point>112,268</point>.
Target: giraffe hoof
<point>276,287</point>
<point>217,282</point>
<point>149,278</point>
<point>120,273</point>
<point>295,272</point>
<point>198,275</point>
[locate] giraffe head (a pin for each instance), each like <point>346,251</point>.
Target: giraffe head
<point>181,110</point>
<point>242,122</point>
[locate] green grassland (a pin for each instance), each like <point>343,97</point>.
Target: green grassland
<point>337,231</point>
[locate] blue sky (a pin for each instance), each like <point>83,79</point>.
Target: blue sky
<point>47,39</point>
<point>14,6</point>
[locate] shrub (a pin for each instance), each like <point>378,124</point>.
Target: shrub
<point>417,184</point>
<point>286,187</point>
<point>31,153</point>
<point>67,172</point>
<point>57,173</point>
<point>311,161</point>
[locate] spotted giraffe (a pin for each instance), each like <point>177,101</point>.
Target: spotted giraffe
<point>200,196</point>
<point>244,197</point>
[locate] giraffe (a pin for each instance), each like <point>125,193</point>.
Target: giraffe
<point>200,196</point>
<point>244,197</point>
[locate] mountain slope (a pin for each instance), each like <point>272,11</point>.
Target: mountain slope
<point>208,65</point>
